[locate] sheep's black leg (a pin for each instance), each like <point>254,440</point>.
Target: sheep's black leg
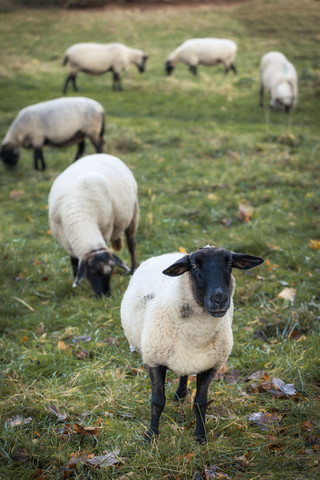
<point>233,68</point>
<point>193,69</point>
<point>74,265</point>
<point>158,399</point>
<point>182,389</point>
<point>116,85</point>
<point>38,155</point>
<point>261,96</point>
<point>72,78</point>
<point>200,403</point>
<point>130,234</point>
<point>81,147</point>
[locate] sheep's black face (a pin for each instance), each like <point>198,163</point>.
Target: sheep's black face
<point>99,271</point>
<point>169,68</point>
<point>9,156</point>
<point>212,282</point>
<point>142,66</point>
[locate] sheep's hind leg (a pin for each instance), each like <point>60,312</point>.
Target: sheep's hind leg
<point>201,402</point>
<point>182,389</point>
<point>233,68</point>
<point>116,84</point>
<point>38,155</point>
<point>261,96</point>
<point>74,265</point>
<point>157,377</point>
<point>130,234</point>
<point>193,69</point>
<point>81,147</point>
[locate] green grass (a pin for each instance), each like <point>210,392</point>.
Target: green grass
<point>199,147</point>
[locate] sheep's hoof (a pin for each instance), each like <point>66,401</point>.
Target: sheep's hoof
<point>201,439</point>
<point>150,435</point>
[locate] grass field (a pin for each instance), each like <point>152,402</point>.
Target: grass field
<point>199,148</point>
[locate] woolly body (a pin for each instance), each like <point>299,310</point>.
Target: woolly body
<point>92,203</point>
<point>163,321</point>
<point>98,58</point>
<point>59,122</point>
<point>279,77</point>
<point>204,51</point>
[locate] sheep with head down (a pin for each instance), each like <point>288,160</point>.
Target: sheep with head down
<point>98,58</point>
<point>279,77</point>
<point>93,202</point>
<point>177,312</point>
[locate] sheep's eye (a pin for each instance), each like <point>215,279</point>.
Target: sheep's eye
<point>193,266</point>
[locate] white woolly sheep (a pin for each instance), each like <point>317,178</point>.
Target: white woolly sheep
<point>58,123</point>
<point>92,203</point>
<point>203,51</point>
<point>98,58</point>
<point>183,323</point>
<point>279,77</point>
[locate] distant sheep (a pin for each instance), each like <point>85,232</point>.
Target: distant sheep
<point>183,323</point>
<point>91,204</point>
<point>203,51</point>
<point>58,123</point>
<point>98,58</point>
<point>279,77</point>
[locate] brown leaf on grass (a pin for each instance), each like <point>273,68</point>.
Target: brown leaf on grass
<point>307,425</point>
<point>17,421</point>
<point>60,416</point>
<point>243,459</point>
<point>97,462</point>
<point>315,244</point>
<point>65,431</point>
<point>40,328</point>
<point>15,194</point>
<point>81,354</point>
<point>244,214</point>
<point>87,431</point>
<point>262,382</point>
<point>288,294</point>
<point>212,473</point>
<point>264,420</point>
<point>62,345</point>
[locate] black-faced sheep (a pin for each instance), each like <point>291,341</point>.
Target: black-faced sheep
<point>98,58</point>
<point>58,123</point>
<point>203,51</point>
<point>183,323</point>
<point>91,204</point>
<point>279,77</point>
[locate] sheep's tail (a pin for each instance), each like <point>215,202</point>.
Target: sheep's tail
<point>117,244</point>
<point>65,60</point>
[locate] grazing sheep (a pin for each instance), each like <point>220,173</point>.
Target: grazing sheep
<point>183,323</point>
<point>203,51</point>
<point>58,123</point>
<point>92,203</point>
<point>98,58</point>
<point>279,77</point>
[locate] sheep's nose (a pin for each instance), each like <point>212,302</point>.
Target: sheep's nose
<point>219,297</point>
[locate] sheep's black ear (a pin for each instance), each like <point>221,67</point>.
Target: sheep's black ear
<point>120,263</point>
<point>81,273</point>
<point>245,262</point>
<point>179,267</point>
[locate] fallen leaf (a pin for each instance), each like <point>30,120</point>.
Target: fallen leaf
<point>40,328</point>
<point>244,214</point>
<point>17,420</point>
<point>212,473</point>
<point>288,294</point>
<point>15,194</point>
<point>263,420</point>
<point>315,244</point>
<point>82,354</point>
<point>182,250</point>
<point>87,431</point>
<point>60,416</point>
<point>307,425</point>
<point>62,345</point>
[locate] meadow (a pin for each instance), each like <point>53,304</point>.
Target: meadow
<point>200,148</point>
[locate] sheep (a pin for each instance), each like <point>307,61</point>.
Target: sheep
<point>98,58</point>
<point>183,323</point>
<point>92,203</point>
<point>203,51</point>
<point>58,123</point>
<point>279,77</point>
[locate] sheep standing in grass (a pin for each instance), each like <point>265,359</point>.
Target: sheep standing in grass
<point>279,77</point>
<point>58,123</point>
<point>92,203</point>
<point>98,58</point>
<point>203,51</point>
<point>183,323</point>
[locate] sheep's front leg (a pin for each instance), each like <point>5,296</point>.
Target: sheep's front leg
<point>157,377</point>
<point>233,68</point>
<point>116,85</point>
<point>182,389</point>
<point>201,401</point>
<point>193,69</point>
<point>74,265</point>
<point>38,155</point>
<point>261,96</point>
